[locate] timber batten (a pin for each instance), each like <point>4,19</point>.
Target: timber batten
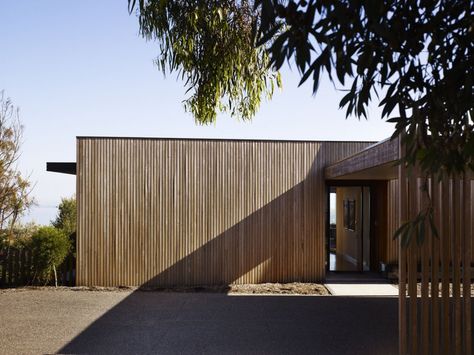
<point>167,212</point>
<point>435,316</point>
<point>191,212</point>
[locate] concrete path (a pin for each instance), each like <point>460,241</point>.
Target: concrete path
<point>34,322</point>
<point>359,284</point>
<point>363,289</point>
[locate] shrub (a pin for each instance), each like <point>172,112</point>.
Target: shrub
<point>50,247</point>
<point>66,220</point>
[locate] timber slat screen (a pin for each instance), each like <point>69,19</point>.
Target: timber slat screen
<point>435,277</point>
<point>166,212</point>
<point>392,220</point>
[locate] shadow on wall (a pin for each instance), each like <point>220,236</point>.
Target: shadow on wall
<point>283,241</point>
<point>276,243</point>
<point>279,242</point>
<point>157,322</point>
<point>164,323</point>
<point>268,245</point>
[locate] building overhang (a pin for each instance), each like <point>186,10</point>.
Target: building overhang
<point>376,162</point>
<point>61,167</point>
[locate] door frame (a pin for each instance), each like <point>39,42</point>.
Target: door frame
<point>350,183</point>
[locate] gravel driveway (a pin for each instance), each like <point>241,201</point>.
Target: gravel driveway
<point>138,322</point>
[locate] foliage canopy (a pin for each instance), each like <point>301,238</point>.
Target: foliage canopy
<point>416,56</point>
<point>211,45</point>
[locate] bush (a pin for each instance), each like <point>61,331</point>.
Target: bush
<point>66,220</point>
<point>50,246</point>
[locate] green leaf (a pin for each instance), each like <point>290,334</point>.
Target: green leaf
<point>407,235</point>
<point>400,230</point>
<point>394,120</point>
<point>420,232</point>
<point>268,35</point>
<point>220,12</point>
<point>348,97</point>
<point>389,106</point>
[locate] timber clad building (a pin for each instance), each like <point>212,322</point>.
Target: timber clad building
<point>175,212</point>
<point>167,212</point>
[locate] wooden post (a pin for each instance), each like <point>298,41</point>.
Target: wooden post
<point>23,267</point>
<point>466,261</point>
<point>425,278</point>
<point>3,280</point>
<point>445,261</point>
<point>435,268</point>
<point>28,266</point>
<point>413,265</point>
<point>9,280</point>
<point>456,264</point>
<point>17,264</point>
<point>402,258</point>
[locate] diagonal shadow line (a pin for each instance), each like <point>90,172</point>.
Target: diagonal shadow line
<point>190,323</point>
<point>260,240</point>
<point>258,243</point>
<point>156,322</point>
<point>221,269</point>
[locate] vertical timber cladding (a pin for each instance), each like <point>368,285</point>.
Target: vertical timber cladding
<point>393,189</point>
<point>190,212</point>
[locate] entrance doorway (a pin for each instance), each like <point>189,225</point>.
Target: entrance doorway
<point>349,232</point>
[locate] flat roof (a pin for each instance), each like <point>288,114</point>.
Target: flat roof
<point>227,139</point>
<point>376,162</point>
<point>377,154</point>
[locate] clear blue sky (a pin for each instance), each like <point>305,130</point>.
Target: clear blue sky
<point>81,68</point>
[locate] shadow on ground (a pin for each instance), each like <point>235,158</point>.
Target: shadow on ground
<point>156,322</point>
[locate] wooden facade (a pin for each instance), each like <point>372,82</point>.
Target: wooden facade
<point>164,212</point>
<point>435,312</point>
<point>435,276</point>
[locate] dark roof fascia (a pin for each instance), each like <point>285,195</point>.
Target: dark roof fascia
<point>61,167</point>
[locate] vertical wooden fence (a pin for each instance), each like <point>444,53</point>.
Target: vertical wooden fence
<point>16,269</point>
<point>435,277</point>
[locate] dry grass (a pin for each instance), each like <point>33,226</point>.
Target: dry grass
<point>294,288</point>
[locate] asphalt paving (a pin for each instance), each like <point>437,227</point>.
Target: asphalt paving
<point>139,322</point>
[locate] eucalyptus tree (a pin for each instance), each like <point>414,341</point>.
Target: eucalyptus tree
<point>416,57</point>
<point>211,45</point>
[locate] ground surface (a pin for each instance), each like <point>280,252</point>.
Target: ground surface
<point>294,288</point>
<point>357,284</point>
<point>126,321</point>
